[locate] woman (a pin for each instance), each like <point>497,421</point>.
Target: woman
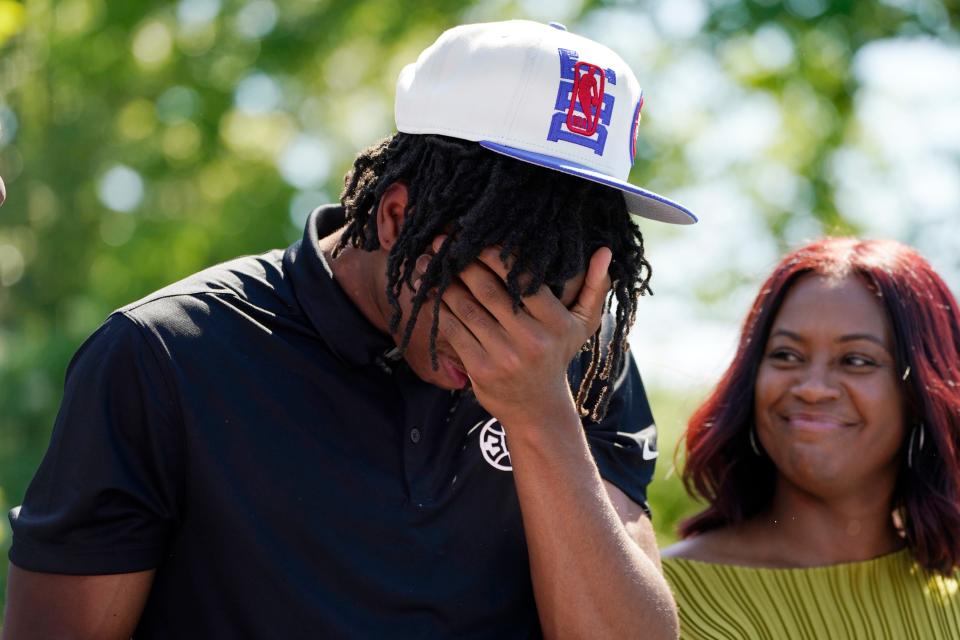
<point>829,458</point>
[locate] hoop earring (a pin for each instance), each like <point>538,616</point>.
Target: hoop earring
<point>753,442</point>
<point>913,437</point>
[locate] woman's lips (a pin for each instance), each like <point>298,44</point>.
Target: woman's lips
<point>815,422</point>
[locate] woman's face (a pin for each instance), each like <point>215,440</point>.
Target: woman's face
<point>829,403</point>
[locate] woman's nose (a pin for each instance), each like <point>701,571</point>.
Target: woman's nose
<point>816,384</point>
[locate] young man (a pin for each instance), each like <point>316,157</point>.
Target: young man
<point>417,421</point>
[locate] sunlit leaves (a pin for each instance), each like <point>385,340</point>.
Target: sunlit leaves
<point>12,17</point>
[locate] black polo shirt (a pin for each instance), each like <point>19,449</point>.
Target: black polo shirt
<point>245,432</point>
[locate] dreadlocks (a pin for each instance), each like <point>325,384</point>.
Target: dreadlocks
<point>549,221</point>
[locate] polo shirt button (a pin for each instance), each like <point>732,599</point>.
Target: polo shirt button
<point>414,435</point>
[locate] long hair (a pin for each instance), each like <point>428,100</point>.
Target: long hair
<point>923,315</point>
<point>549,221</point>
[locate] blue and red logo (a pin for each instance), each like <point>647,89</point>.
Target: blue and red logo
<point>588,85</point>
<point>634,131</point>
<point>583,106</point>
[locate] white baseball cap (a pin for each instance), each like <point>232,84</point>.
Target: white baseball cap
<point>536,93</point>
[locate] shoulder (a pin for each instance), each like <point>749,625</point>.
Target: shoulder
<point>694,548</point>
<point>118,343</point>
<point>720,546</point>
<point>253,282</point>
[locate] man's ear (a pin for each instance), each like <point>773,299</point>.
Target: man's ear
<point>390,214</point>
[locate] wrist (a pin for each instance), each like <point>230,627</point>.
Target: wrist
<point>540,428</point>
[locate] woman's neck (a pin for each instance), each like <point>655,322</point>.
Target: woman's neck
<point>800,529</point>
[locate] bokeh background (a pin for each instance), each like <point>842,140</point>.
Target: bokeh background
<point>142,141</point>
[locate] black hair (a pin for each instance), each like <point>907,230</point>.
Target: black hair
<point>550,221</point>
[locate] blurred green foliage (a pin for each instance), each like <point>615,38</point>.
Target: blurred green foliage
<point>132,160</point>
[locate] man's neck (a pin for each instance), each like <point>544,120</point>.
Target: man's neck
<point>355,270</point>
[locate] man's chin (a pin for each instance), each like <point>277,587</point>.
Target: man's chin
<point>448,375</point>
<point>454,375</point>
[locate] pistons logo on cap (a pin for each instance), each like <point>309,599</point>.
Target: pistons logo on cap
<point>583,108</point>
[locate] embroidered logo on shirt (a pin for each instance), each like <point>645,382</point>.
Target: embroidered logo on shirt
<point>493,445</point>
<point>648,436</point>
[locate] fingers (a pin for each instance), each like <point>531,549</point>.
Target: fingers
<point>541,305</point>
<point>485,285</point>
<point>420,268</point>
<point>464,343</point>
<point>596,285</point>
<point>485,307</point>
<point>475,316</point>
<point>500,265</point>
<point>489,289</point>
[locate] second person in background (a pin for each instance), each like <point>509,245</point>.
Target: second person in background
<point>829,458</point>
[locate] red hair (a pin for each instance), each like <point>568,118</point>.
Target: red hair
<point>736,484</point>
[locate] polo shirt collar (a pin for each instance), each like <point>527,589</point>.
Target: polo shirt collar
<point>339,322</point>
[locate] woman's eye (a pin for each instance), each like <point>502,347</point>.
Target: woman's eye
<point>784,355</point>
<point>859,361</point>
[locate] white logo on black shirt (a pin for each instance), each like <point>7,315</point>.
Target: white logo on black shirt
<point>493,445</point>
<point>649,435</point>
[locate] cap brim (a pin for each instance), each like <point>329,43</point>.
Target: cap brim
<point>640,202</point>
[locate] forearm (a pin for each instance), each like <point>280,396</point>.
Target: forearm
<point>590,578</point>
<point>50,605</point>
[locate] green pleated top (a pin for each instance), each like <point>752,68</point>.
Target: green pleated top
<point>886,598</point>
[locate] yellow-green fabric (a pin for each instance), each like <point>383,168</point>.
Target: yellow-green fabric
<point>888,597</point>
